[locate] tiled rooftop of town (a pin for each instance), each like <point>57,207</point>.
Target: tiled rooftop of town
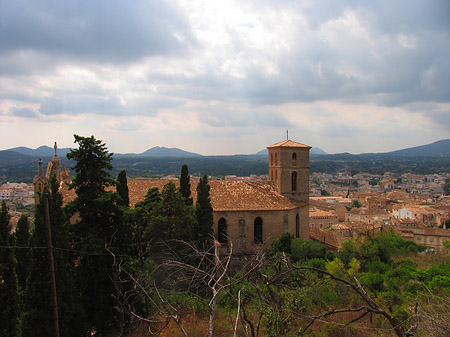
<point>225,195</point>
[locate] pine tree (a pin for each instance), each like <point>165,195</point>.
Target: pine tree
<point>9,297</point>
<point>204,212</point>
<point>185,186</point>
<point>122,189</point>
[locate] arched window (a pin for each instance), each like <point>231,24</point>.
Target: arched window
<point>258,230</point>
<point>276,158</point>
<point>294,181</point>
<point>294,159</point>
<point>297,226</point>
<point>222,231</point>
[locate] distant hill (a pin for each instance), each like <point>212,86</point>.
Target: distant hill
<point>46,151</point>
<point>432,158</point>
<point>42,151</point>
<point>7,155</point>
<point>313,151</point>
<point>316,150</point>
<point>161,152</point>
<point>439,148</point>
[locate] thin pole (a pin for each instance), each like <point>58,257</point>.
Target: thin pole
<point>51,264</point>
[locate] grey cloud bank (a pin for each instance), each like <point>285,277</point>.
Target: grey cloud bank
<point>357,76</point>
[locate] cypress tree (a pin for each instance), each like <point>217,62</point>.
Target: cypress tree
<point>122,189</point>
<point>101,224</point>
<point>9,296</point>
<point>22,254</point>
<point>93,163</point>
<point>37,318</point>
<point>179,219</point>
<point>147,219</point>
<point>204,212</point>
<point>185,185</point>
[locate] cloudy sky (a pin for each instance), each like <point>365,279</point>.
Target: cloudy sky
<point>225,77</point>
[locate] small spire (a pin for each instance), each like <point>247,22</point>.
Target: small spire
<point>55,147</point>
<point>41,172</point>
<point>287,134</point>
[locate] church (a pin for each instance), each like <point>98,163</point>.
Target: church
<point>248,214</point>
<point>53,169</point>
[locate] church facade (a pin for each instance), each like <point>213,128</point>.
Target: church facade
<point>53,169</point>
<point>247,214</point>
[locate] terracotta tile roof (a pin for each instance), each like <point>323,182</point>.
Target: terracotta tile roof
<point>288,143</point>
<point>248,195</point>
<point>225,195</point>
<point>316,212</point>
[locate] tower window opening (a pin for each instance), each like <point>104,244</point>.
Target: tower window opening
<point>294,181</point>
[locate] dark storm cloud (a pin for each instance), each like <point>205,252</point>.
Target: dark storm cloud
<point>98,31</point>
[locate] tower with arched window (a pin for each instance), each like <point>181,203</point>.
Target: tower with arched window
<point>289,169</point>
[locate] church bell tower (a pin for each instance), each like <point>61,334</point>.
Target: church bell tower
<point>289,169</point>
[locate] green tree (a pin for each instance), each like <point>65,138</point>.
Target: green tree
<point>305,250</point>
<point>93,163</point>
<point>9,297</point>
<point>324,193</point>
<point>204,213</point>
<point>146,221</point>
<point>185,185</point>
<point>22,254</point>
<point>122,188</point>
<point>446,224</point>
<point>101,224</point>
<point>37,316</point>
<point>179,220</point>
<point>283,243</point>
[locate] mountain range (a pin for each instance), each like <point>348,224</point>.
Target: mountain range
<point>439,148</point>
